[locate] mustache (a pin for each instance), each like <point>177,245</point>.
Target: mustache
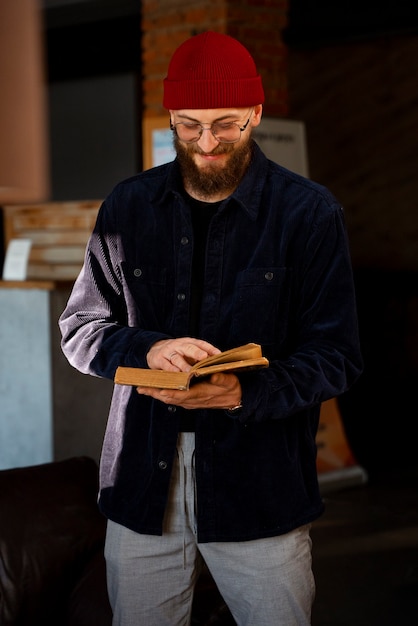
<point>220,149</point>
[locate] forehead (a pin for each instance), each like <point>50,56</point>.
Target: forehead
<point>209,115</point>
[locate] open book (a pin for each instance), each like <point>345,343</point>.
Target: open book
<point>245,357</point>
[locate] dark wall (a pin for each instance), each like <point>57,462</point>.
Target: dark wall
<point>359,101</point>
<point>324,22</point>
<point>379,412</point>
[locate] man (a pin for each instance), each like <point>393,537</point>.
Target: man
<point>219,248</point>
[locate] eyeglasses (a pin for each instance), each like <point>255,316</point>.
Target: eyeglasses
<point>224,132</point>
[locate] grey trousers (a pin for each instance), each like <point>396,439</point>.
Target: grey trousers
<point>266,582</point>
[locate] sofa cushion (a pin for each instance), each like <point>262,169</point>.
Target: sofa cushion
<point>50,528</point>
<point>88,603</point>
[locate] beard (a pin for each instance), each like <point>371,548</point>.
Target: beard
<point>214,178</point>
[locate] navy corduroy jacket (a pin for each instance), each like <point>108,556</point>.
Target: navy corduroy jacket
<point>277,273</point>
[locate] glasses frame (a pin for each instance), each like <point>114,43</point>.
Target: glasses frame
<point>173,127</point>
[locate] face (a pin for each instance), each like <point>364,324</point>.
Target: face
<point>211,169</point>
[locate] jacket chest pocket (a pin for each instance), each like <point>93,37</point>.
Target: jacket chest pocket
<point>148,288</point>
<point>261,305</point>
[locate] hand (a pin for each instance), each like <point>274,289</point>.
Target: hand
<point>176,355</point>
<point>219,391</point>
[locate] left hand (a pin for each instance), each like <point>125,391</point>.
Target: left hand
<point>219,391</point>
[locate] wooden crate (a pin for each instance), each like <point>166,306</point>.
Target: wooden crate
<point>58,231</point>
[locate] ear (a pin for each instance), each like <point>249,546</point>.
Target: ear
<point>256,118</point>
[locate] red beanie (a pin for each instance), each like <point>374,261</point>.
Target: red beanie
<point>212,71</point>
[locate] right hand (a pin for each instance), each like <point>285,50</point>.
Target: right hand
<point>180,354</point>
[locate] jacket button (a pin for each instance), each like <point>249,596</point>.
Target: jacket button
<point>181,297</point>
<point>171,408</point>
<point>269,275</point>
<point>162,465</point>
<point>137,272</point>
<point>184,241</point>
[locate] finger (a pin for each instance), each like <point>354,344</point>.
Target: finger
<point>183,354</point>
<point>179,353</point>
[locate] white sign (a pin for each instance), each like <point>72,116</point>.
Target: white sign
<point>284,142</point>
<point>162,146</point>
<point>16,262</point>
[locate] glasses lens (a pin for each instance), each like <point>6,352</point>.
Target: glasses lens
<point>188,132</point>
<point>227,133</point>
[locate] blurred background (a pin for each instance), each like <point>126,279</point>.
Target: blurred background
<point>347,71</point>
<point>81,85</point>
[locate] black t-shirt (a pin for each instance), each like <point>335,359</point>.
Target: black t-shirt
<point>202,213</point>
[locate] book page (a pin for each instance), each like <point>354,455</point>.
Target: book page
<point>231,366</point>
<point>247,351</point>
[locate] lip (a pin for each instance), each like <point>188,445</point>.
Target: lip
<point>210,157</point>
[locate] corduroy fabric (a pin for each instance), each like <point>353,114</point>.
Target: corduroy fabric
<point>212,71</point>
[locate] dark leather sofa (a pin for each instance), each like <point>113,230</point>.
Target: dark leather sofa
<point>52,568</point>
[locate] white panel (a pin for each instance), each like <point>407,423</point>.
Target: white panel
<point>25,378</point>
<point>283,141</point>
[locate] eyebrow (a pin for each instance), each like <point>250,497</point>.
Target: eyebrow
<point>218,119</point>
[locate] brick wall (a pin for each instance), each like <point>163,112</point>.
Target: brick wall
<point>256,23</point>
<point>360,106</point>
<point>359,102</point>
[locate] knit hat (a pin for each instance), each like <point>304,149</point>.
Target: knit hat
<point>212,71</point>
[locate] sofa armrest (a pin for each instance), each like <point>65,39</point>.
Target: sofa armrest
<point>50,528</point>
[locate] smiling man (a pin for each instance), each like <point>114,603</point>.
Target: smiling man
<point>219,248</point>
<point>212,162</point>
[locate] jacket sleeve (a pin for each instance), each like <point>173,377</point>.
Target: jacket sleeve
<point>322,357</point>
<point>99,325</point>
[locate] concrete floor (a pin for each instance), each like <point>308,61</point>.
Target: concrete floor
<point>365,557</point>
<point>365,554</point>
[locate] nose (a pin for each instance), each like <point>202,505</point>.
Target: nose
<point>207,140</point>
